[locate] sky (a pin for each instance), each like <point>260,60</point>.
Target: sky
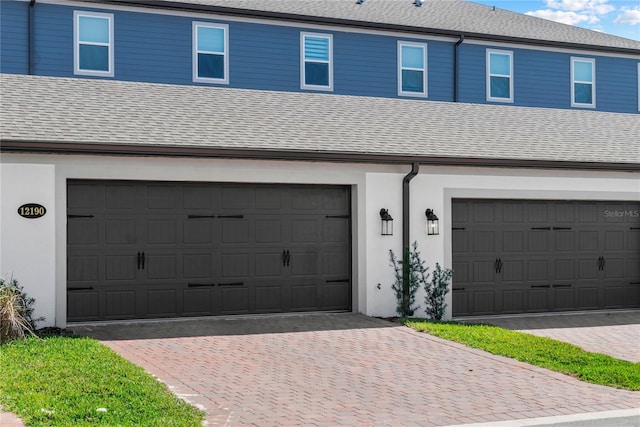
<point>617,17</point>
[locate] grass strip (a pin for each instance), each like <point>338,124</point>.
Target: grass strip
<point>539,351</point>
<point>74,381</point>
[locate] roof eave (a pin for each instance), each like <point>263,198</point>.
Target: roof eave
<point>231,11</point>
<point>21,146</point>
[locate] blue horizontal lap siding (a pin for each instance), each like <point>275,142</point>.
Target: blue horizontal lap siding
<point>157,48</point>
<point>543,79</point>
<point>14,56</point>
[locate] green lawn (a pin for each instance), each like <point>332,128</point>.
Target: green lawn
<point>63,381</point>
<point>544,352</point>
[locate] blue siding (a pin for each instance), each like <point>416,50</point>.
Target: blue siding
<point>543,79</point>
<point>157,48</point>
<point>14,55</point>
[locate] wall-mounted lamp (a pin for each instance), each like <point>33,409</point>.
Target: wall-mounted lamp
<point>433,229</point>
<point>387,223</point>
<point>418,3</point>
<point>359,1</point>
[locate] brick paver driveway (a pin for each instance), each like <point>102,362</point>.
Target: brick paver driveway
<point>344,369</point>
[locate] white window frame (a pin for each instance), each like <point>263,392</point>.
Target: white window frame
<point>76,44</point>
<point>592,61</point>
<point>508,53</point>
<point>195,51</point>
<point>425,92</point>
<point>303,61</point>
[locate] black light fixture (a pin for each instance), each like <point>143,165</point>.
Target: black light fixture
<point>418,3</point>
<point>433,229</point>
<point>387,223</point>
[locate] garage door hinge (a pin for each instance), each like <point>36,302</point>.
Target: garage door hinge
<point>337,216</point>
<point>200,216</point>
<point>80,216</point>
<point>87,288</point>
<point>231,216</point>
<point>200,285</point>
<point>541,228</point>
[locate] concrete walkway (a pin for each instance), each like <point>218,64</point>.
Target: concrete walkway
<point>345,369</point>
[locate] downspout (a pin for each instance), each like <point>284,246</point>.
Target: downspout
<point>455,68</point>
<point>405,237</point>
<point>30,35</point>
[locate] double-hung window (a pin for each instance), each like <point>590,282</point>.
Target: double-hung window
<point>210,53</point>
<point>93,43</point>
<point>412,69</point>
<point>499,75</point>
<point>583,86</point>
<point>316,61</point>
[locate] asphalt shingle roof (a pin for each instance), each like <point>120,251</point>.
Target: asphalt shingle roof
<point>87,111</point>
<point>457,16</point>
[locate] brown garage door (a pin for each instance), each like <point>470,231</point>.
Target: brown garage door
<point>513,256</point>
<point>154,249</point>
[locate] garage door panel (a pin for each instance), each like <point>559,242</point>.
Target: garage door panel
<point>588,297</point>
<point>537,212</point>
<point>120,304</point>
<point>120,267</point>
<point>235,265</point>
<point>563,255</point>
<point>197,301</point>
<point>162,303</point>
<point>82,232</point>
<point>83,304</point>
<point>305,230</point>
<point>483,301</point>
<point>234,299</point>
<point>162,232</point>
<point>483,271</point>
<point>538,299</point>
<point>197,265</point>
<point>268,299</point>
<point>197,231</point>
<point>336,295</point>
<point>484,241</point>
<point>538,241</point>
<point>513,301</point>
<point>564,299</point>
<point>120,232</point>
<point>193,249</point>
<point>269,230</point>
<point>336,199</point>
<point>163,197</point>
<point>123,196</point>
<point>82,268</point>
<point>161,266</point>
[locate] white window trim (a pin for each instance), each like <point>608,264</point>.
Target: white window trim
<point>510,76</point>
<point>76,44</point>
<point>575,59</point>
<point>195,51</point>
<point>424,93</point>
<point>303,85</point>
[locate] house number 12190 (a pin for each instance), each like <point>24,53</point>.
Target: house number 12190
<point>31,210</point>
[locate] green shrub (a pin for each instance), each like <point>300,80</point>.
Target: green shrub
<point>416,276</point>
<point>435,292</point>
<point>16,311</point>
